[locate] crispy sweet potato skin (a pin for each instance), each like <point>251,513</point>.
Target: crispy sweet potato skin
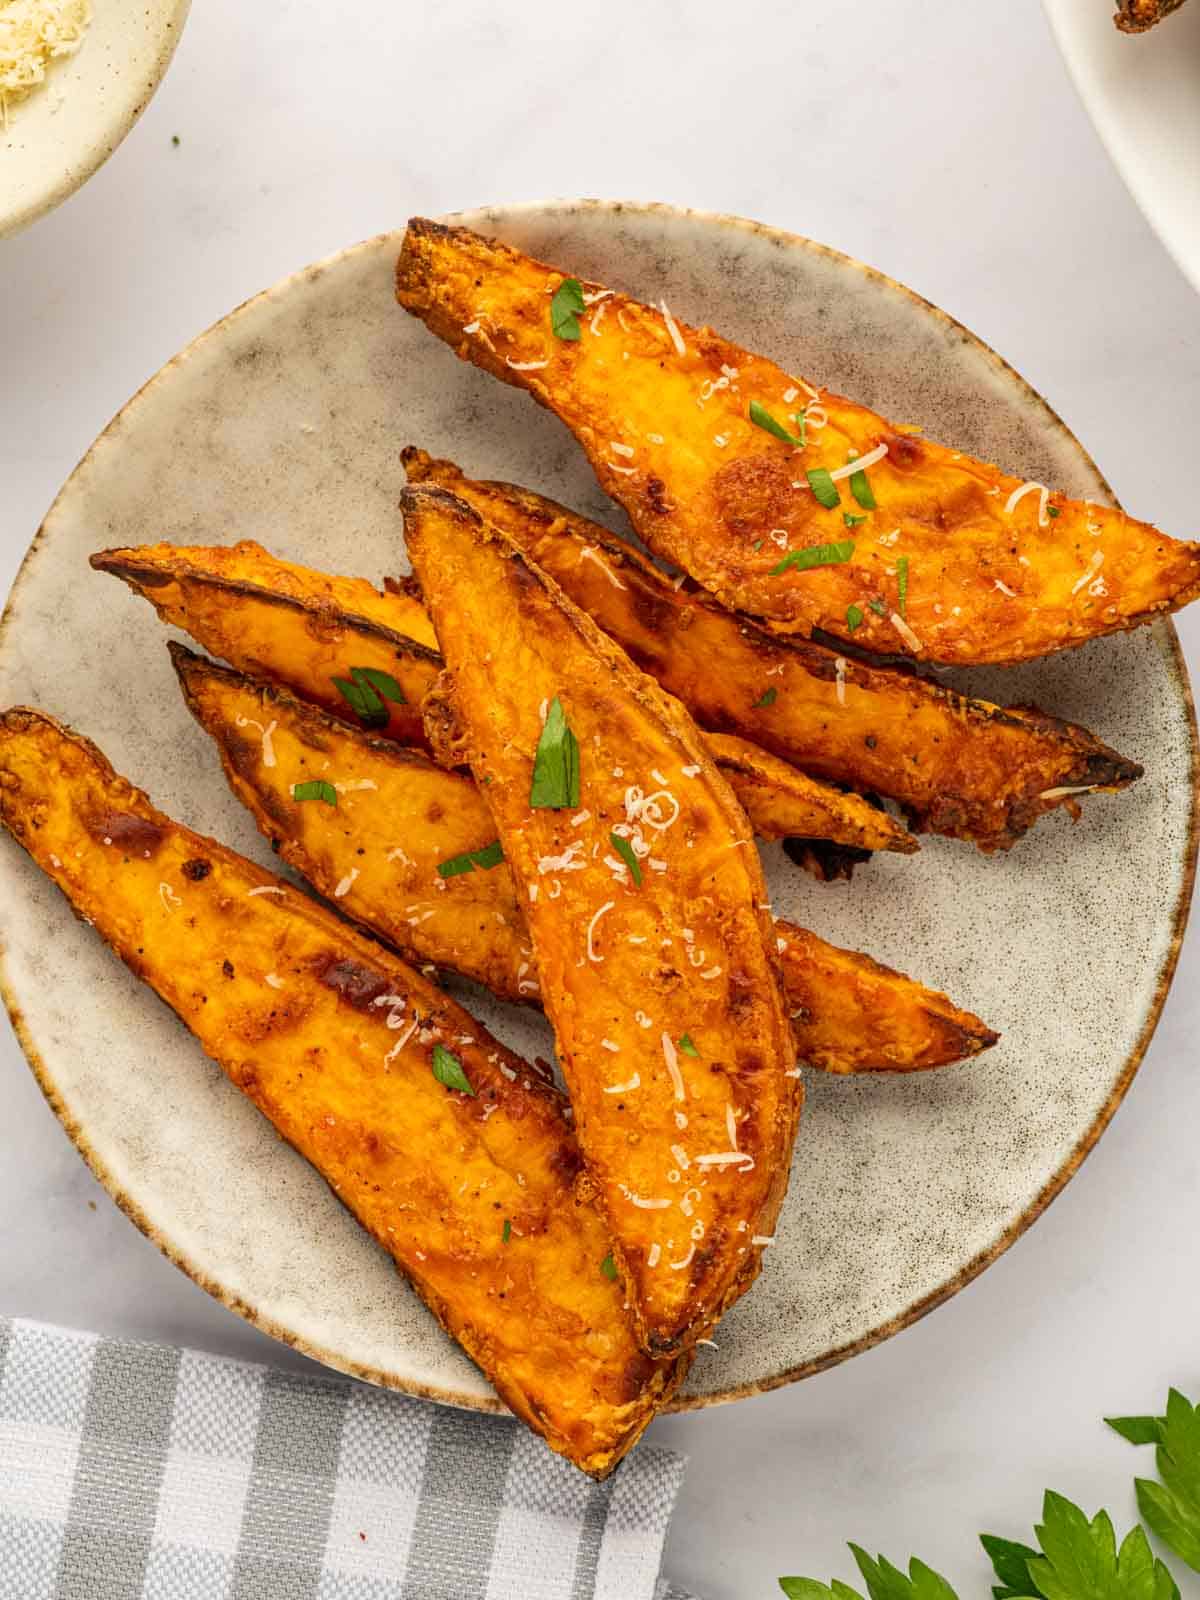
<point>706,968</point>
<point>313,1023</point>
<point>403,816</point>
<point>1137,16</point>
<point>959,766</point>
<point>704,485</point>
<point>285,622</point>
<point>269,616</point>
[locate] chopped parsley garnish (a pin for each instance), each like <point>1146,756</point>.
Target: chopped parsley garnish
<point>854,618</point>
<point>757,545</point>
<point>767,698</point>
<point>878,607</point>
<point>823,486</point>
<point>1054,511</point>
<point>902,584</point>
<point>815,555</point>
<point>365,692</point>
<point>490,856</point>
<point>566,308</point>
<point>315,789</point>
<point>851,520</point>
<point>625,850</point>
<point>448,1070</point>
<point>688,1048</point>
<point>506,1234</point>
<point>609,1267</point>
<point>861,490</point>
<point>762,418</point>
<point>555,764</point>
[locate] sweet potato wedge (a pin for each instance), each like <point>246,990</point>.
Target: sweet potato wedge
<point>285,622</point>
<point>399,818</point>
<point>477,1195</point>
<point>947,559</point>
<point>657,958</point>
<point>260,613</point>
<point>959,766</point>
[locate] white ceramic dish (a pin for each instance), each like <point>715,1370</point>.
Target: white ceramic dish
<point>1142,92</point>
<point>59,135</point>
<point>284,423</point>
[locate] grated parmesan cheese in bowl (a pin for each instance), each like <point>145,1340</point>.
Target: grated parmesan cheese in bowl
<point>33,33</point>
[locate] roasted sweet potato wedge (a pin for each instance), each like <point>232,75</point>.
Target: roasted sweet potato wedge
<point>819,514</point>
<point>297,635</point>
<point>657,954</point>
<point>475,1192</point>
<point>260,614</point>
<point>958,766</point>
<point>405,852</point>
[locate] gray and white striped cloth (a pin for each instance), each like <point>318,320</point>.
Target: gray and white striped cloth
<point>141,1472</point>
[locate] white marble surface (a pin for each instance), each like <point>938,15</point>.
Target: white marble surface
<point>941,143</point>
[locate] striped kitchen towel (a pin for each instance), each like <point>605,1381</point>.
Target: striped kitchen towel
<point>140,1472</point>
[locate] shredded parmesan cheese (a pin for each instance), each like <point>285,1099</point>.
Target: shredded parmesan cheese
<point>673,329</point>
<point>625,1088</point>
<point>672,1060</point>
<point>1066,789</point>
<point>274,980</point>
<point>588,553</point>
<point>1018,494</point>
<point>1095,562</point>
<point>763,1239</point>
<point>681,1156</point>
<point>676,1265</point>
<point>168,897</point>
<point>1004,589</point>
<point>266,888</point>
<point>525,366</point>
<point>347,883</point>
<point>860,463</point>
<point>268,749</point>
<point>905,632</point>
<point>840,669</point>
<point>618,449</point>
<point>607,1044</point>
<point>591,954</point>
<point>646,1205</point>
<point>727,1158</point>
<point>32,34</point>
<point>654,1254</point>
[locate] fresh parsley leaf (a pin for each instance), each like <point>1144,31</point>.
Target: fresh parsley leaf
<point>810,1589</point>
<point>762,418</point>
<point>854,618</point>
<point>566,308</point>
<point>886,1582</point>
<point>555,763</point>
<point>360,696</point>
<point>506,1234</point>
<point>902,584</point>
<point>448,1070</point>
<point>878,607</point>
<point>382,682</point>
<point>767,698</point>
<point>823,486</point>
<point>1137,1430</point>
<point>851,520</point>
<point>609,1267</point>
<point>861,490</point>
<point>685,1044</point>
<point>1009,1559</point>
<point>1171,1508</point>
<point>1079,1560</point>
<point>757,545</point>
<point>625,850</point>
<point>490,856</point>
<point>1054,511</point>
<point>315,789</point>
<point>815,555</point>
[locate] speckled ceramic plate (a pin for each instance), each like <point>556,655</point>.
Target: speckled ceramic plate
<point>63,132</point>
<point>284,423</point>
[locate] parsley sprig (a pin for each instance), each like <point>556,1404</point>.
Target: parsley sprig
<point>555,763</point>
<point>566,308</point>
<point>365,692</point>
<point>1075,1557</point>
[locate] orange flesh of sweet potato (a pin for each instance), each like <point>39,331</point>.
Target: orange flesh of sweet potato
<point>399,817</point>
<point>691,1154</point>
<point>959,766</point>
<point>275,619</point>
<point>990,578</point>
<point>314,1023</point>
<point>262,614</point>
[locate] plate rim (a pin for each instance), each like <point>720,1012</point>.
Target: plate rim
<point>1164,629</point>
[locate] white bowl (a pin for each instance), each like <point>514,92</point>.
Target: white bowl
<point>1142,92</point>
<point>66,129</point>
